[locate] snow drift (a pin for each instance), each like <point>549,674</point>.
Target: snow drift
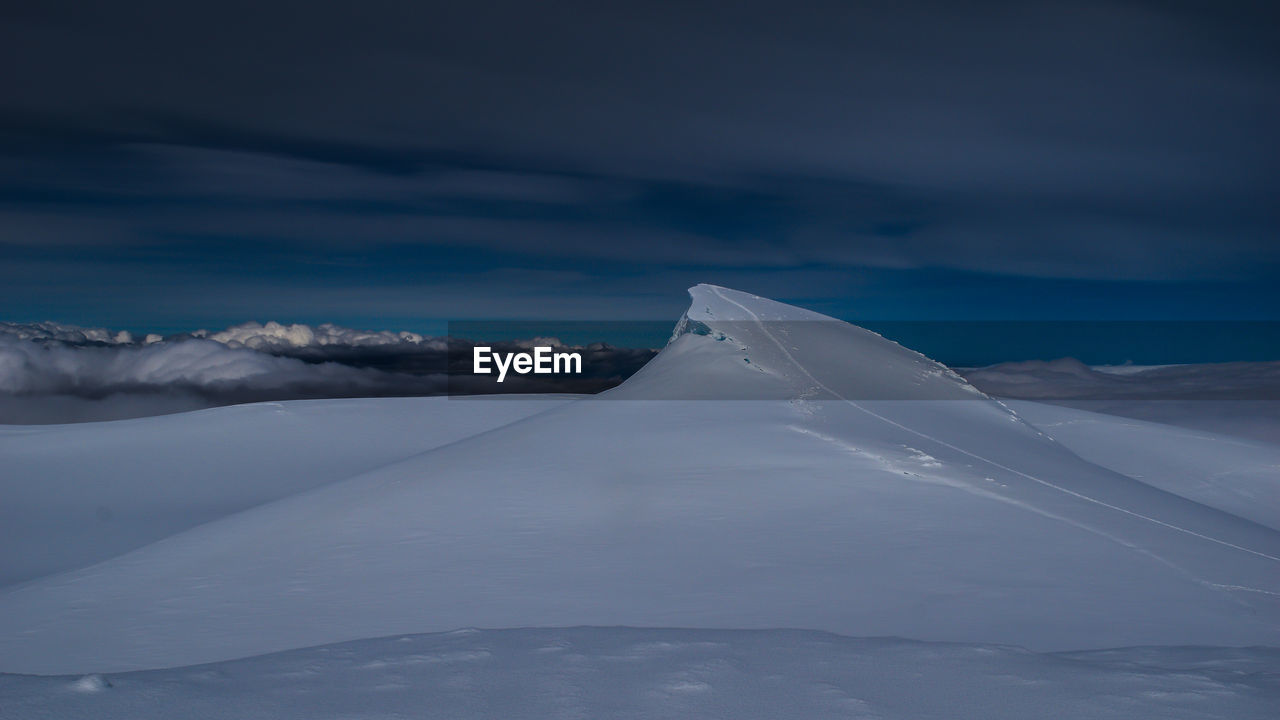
<point>77,494</point>
<point>672,673</point>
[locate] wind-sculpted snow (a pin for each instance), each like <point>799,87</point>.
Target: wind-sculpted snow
<point>1238,398</point>
<point>619,673</point>
<point>1237,475</point>
<point>791,495</point>
<point>78,494</point>
<point>769,338</point>
<point>1070,379</point>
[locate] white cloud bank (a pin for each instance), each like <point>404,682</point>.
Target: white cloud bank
<point>60,373</point>
<point>31,367</point>
<point>269,336</point>
<point>53,373</point>
<point>65,333</point>
<point>277,336</point>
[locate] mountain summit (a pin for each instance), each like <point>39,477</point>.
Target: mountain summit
<point>767,349</point>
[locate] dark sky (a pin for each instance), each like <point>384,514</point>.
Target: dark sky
<point>391,165</point>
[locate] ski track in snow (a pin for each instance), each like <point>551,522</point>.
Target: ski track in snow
<point>760,323</point>
<point>990,495</point>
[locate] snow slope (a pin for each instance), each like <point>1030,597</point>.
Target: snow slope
<point>650,673</point>
<point>1239,398</point>
<point>77,494</point>
<point>1233,474</point>
<point>826,479</point>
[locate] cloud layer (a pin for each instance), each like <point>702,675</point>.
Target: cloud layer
<point>274,336</point>
<point>58,373</point>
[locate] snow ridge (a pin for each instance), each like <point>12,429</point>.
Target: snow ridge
<point>801,473</point>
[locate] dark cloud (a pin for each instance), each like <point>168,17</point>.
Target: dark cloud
<point>608,154</point>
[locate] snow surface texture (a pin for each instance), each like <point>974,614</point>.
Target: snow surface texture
<point>1241,399</point>
<point>805,506</point>
<point>1068,378</point>
<point>1237,475</point>
<point>77,494</point>
<point>644,673</point>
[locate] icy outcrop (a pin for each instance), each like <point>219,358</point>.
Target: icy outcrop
<point>767,349</point>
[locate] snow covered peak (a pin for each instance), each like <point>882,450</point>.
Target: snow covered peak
<point>734,345</point>
<point>712,303</point>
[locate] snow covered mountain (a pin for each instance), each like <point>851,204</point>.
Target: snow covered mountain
<point>803,505</point>
<point>771,468</point>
